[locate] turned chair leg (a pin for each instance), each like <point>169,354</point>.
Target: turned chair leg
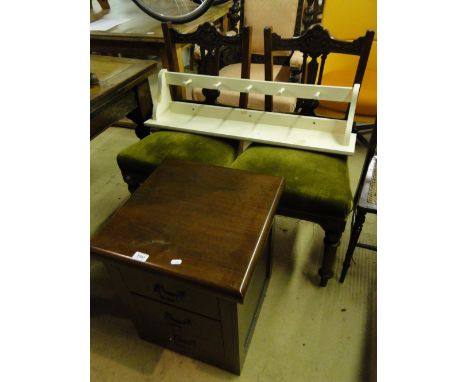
<point>331,243</point>
<point>356,229</point>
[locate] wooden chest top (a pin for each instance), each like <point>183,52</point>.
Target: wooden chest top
<point>214,219</point>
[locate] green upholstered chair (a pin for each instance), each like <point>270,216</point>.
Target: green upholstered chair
<point>140,159</point>
<point>317,184</point>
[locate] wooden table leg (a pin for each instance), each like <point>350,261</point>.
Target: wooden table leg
<point>143,111</point>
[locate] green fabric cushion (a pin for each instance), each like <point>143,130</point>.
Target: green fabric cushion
<point>316,183</point>
<point>144,156</point>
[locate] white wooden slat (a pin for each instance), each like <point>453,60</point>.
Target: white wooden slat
<point>257,126</point>
<point>352,110</point>
<point>163,95</point>
<point>288,89</point>
<point>249,117</point>
<point>312,140</point>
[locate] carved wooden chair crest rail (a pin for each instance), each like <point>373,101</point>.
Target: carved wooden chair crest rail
<point>315,45</point>
<point>211,41</point>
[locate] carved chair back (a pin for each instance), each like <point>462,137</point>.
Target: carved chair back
<point>313,13</point>
<point>211,41</point>
<point>315,44</point>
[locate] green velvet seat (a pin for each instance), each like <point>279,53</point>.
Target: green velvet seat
<point>316,183</point>
<point>316,189</point>
<point>138,160</point>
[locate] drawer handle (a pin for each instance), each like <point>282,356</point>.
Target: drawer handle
<point>168,296</point>
<point>175,321</point>
<point>176,340</point>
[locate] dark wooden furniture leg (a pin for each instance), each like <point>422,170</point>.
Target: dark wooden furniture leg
<point>356,229</point>
<point>234,15</point>
<point>123,91</point>
<point>104,4</point>
<point>143,111</point>
<point>131,184</point>
<point>331,243</point>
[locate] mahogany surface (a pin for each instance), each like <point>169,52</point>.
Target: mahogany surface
<point>217,221</point>
<point>214,219</point>
<point>123,89</point>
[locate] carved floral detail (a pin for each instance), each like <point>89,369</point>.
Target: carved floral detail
<point>207,35</point>
<point>316,41</point>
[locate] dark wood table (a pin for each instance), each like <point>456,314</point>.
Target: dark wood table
<point>141,35</point>
<point>215,221</point>
<point>123,90</point>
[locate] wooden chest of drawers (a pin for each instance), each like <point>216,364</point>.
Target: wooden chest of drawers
<point>217,222</point>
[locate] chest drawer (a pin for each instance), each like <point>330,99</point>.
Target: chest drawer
<point>169,291</point>
<point>178,329</point>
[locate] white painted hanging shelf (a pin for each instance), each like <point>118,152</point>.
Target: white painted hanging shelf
<point>289,130</point>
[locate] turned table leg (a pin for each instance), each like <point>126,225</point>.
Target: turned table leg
<point>143,111</point>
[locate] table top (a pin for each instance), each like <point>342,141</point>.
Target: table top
<point>214,219</point>
<point>142,26</point>
<point>116,75</point>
